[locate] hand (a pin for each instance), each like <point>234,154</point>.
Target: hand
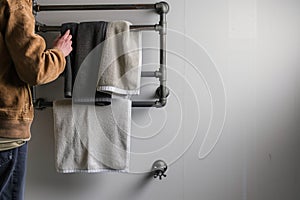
<point>64,43</point>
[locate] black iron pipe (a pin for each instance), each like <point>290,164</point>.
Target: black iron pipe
<point>163,59</point>
<point>45,28</point>
<point>155,74</point>
<point>39,8</point>
<point>161,7</point>
<point>41,104</point>
<point>143,104</point>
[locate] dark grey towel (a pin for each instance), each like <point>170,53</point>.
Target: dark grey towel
<point>86,36</point>
<point>70,59</point>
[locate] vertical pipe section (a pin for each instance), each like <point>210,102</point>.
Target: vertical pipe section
<point>162,9</point>
<point>163,59</point>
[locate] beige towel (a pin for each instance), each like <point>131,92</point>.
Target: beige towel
<point>121,60</point>
<point>92,138</point>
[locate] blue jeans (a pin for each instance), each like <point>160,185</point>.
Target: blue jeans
<point>12,173</point>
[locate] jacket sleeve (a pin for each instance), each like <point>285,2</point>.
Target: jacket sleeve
<point>33,63</point>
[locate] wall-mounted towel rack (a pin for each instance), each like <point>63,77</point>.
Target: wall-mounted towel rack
<point>160,8</point>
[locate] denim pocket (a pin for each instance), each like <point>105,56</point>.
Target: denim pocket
<point>5,157</point>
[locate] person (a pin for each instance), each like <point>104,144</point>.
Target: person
<point>24,62</point>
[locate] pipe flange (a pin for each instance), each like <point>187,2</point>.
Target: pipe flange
<point>159,169</point>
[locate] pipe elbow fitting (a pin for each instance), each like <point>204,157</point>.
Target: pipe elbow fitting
<point>162,7</point>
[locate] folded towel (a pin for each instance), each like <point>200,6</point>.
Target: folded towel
<point>90,138</point>
<point>86,36</point>
<point>120,64</point>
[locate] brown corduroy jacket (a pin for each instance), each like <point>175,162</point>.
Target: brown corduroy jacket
<point>24,61</point>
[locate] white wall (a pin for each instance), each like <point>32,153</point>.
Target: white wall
<point>236,59</point>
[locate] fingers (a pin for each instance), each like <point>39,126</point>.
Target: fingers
<point>66,35</point>
<point>69,37</point>
<point>64,43</point>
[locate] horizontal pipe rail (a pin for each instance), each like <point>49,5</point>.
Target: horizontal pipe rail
<point>160,7</point>
<point>45,28</point>
<point>155,74</point>
<point>41,104</point>
<point>39,8</point>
